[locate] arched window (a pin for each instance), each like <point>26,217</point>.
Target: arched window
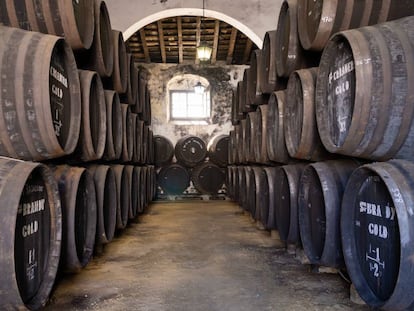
<point>186,105</point>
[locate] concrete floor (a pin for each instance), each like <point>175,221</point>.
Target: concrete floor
<point>202,255</point>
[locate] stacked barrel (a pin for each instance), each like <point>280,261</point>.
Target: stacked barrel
<point>76,142</point>
<point>191,164</point>
<point>326,157</point>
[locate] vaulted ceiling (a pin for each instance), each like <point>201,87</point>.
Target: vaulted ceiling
<point>174,40</point>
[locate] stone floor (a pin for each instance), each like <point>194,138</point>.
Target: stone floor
<point>201,255</point>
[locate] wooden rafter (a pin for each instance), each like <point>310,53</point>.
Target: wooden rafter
<point>180,40</point>
<point>144,45</point>
<point>232,43</point>
<point>247,50</point>
<point>162,43</point>
<point>215,41</point>
<point>198,37</point>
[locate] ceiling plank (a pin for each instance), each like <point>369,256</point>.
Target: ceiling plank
<point>162,43</point>
<point>198,37</point>
<point>247,50</point>
<point>232,43</point>
<point>180,40</point>
<point>215,41</point>
<point>144,45</point>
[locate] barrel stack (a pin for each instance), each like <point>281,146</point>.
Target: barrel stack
<point>333,184</point>
<point>75,118</point>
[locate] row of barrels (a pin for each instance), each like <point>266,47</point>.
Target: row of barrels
<point>52,92</point>
<point>357,103</point>
<point>53,217</point>
<point>344,214</point>
<point>198,163</point>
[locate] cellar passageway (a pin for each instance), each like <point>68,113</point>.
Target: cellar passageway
<point>201,255</point>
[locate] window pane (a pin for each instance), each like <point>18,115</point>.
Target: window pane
<point>189,105</point>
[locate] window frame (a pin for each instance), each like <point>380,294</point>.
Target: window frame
<point>207,103</point>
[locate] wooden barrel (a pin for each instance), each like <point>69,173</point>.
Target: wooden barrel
<point>230,181</point>
<point>40,110</point>
<point>235,106</point>
<point>320,195</point>
<point>208,178</point>
<point>240,130</point>
<point>134,179</point>
<point>79,216</point>
<point>122,195</point>
<point>73,20</point>
<point>377,222</point>
<point>250,137</point>
<point>301,132</point>
<point>31,230</point>
<point>241,189</point>
<point>91,145</point>
<point>260,135</point>
<point>288,51</point>
<point>133,133</point>
<point>286,201</point>
<point>364,107</point>
<point>139,142</point>
<point>173,179</point>
<point>318,21</point>
<point>145,143</point>
<point>127,134</point>
<point>131,94</point>
<point>113,146</point>
<point>241,99</point>
<point>163,149</point>
<point>144,188</point>
<point>275,142</point>
<point>245,102</point>
<point>145,114</point>
<point>218,150</point>
<point>269,81</point>
<point>152,185</point>
<point>151,151</point>
<point>190,150</point>
<point>249,196</point>
<point>262,196</point>
<point>140,196</point>
<point>106,202</point>
<point>254,95</point>
<point>119,76</point>
<point>100,57</point>
<point>270,175</point>
<point>232,149</point>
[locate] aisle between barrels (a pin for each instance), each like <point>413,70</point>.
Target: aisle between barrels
<point>203,255</point>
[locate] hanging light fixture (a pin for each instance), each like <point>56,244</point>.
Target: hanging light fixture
<point>203,49</point>
<point>199,88</point>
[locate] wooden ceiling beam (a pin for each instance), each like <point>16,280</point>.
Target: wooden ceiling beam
<point>198,37</point>
<point>247,50</point>
<point>215,41</point>
<point>162,43</point>
<point>232,43</point>
<point>144,45</point>
<point>180,40</point>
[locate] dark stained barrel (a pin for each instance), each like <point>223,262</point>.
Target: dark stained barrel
<point>260,135</point>
<point>143,189</point>
<point>113,146</point>
<point>364,107</point>
<point>145,113</point>
<point>231,181</point>
<point>275,142</point>
<point>286,202</point>
<point>249,189</point>
<point>190,150</point>
<point>122,195</point>
<point>250,137</point>
<point>31,231</point>
<point>232,149</point>
<point>262,196</point>
<point>241,189</point>
<point>240,134</point>
<point>79,215</point>
<point>106,202</point>
<point>127,134</point>
<point>377,224</point>
<point>163,149</point>
<point>40,98</point>
<point>218,150</point>
<point>271,180</point>
<point>139,142</point>
<point>100,57</point>
<point>254,94</point>
<point>319,20</point>
<point>73,20</point>
<point>140,195</point>
<point>289,53</point>
<point>145,143</point>
<point>173,179</point>
<point>119,76</point>
<point>320,195</point>
<point>134,179</point>
<point>91,145</point>
<point>208,178</point>
<point>245,104</point>
<point>301,132</point>
<point>131,94</point>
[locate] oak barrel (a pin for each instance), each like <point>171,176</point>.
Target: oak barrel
<point>113,146</point>
<point>208,178</point>
<point>190,150</point>
<point>173,179</point>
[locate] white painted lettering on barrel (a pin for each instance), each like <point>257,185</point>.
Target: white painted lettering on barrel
<point>341,71</point>
<point>378,230</point>
<point>30,229</point>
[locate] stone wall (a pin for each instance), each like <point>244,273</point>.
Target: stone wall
<point>222,79</point>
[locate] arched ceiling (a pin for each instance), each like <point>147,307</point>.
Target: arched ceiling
<point>174,40</point>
